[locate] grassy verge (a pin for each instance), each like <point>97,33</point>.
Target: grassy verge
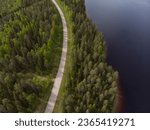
<point>60,98</point>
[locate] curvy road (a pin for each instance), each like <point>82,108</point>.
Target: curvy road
<point>59,76</point>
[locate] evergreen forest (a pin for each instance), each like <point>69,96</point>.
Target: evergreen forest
<point>31,38</point>
<point>30,49</point>
<point>91,84</point>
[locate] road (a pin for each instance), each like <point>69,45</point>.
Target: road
<point>59,76</point>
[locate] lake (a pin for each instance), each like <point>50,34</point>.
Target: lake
<point>126,28</point>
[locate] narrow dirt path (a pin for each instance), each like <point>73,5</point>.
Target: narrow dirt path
<point>58,79</point>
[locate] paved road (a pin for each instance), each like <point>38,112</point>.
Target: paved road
<point>58,79</point>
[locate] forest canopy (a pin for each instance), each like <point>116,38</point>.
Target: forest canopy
<point>91,84</point>
<point>31,37</point>
<point>30,49</point>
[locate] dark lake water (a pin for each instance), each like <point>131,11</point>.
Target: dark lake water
<point>126,27</point>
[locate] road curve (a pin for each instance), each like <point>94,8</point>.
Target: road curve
<point>59,76</point>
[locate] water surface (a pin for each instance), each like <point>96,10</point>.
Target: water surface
<point>126,27</point>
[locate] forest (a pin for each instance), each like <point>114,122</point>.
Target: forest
<point>30,50</point>
<point>31,38</point>
<point>91,84</point>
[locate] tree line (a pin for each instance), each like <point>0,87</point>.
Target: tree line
<point>92,83</point>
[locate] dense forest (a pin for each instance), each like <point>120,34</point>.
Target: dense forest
<point>91,84</point>
<point>9,6</point>
<point>30,49</point>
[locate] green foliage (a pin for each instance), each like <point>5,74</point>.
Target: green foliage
<point>91,84</point>
<point>30,42</point>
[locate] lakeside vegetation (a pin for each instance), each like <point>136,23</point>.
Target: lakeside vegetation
<point>90,85</point>
<point>30,50</point>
